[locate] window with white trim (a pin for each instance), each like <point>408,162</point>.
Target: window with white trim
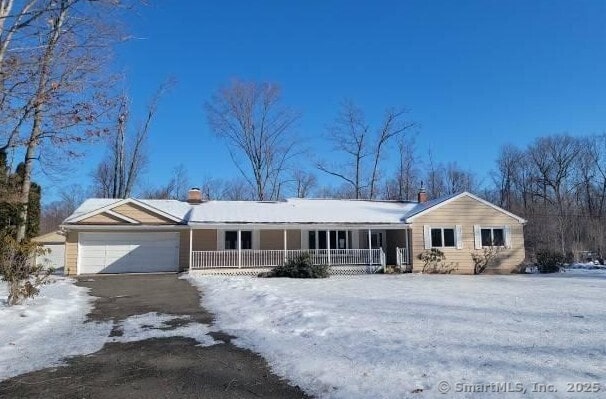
<point>493,237</point>
<point>443,238</point>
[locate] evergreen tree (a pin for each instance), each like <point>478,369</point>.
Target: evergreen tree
<point>4,171</point>
<point>9,204</point>
<point>33,211</point>
<point>7,211</point>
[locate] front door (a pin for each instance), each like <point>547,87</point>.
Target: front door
<point>377,239</point>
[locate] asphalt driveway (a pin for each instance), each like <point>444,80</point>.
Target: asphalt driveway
<point>153,368</point>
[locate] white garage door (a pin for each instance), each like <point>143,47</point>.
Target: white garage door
<point>128,252</point>
<point>55,258</point>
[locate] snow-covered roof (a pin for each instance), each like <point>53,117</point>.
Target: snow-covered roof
<point>301,211</point>
<point>177,209</point>
<point>90,205</point>
<point>295,210</point>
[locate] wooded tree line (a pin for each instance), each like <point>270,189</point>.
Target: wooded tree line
<point>558,183</point>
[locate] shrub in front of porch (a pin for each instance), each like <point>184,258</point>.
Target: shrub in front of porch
<point>299,267</point>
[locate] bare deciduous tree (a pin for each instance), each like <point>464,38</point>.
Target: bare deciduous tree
<point>349,134</point>
<point>393,125</point>
<point>434,178</point>
<point>553,157</point>
<point>62,102</point>
<point>457,179</point>
<point>117,175</point>
<point>258,129</point>
<point>212,189</point>
<point>54,213</point>
<point>237,190</point>
<point>175,189</point>
<point>407,180</point>
<point>304,182</point>
<point>352,136</point>
<point>508,164</point>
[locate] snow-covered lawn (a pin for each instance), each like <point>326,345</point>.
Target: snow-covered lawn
<point>47,328</point>
<point>53,326</point>
<point>401,336</point>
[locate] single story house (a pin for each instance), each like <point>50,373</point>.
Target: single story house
<point>54,244</point>
<point>140,236</point>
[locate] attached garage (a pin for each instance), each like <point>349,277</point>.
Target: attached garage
<point>128,252</point>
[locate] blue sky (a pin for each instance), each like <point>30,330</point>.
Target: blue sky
<point>474,74</point>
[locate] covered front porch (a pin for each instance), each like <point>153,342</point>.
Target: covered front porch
<point>364,249</point>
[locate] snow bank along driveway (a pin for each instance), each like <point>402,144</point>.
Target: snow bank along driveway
<point>416,335</point>
<point>51,327</point>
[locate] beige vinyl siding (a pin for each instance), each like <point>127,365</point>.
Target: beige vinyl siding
<point>271,239</point>
<point>202,240</point>
<point>71,253</point>
<point>274,239</point>
<point>184,250</point>
<point>205,240</point>
<point>141,214</point>
<point>467,212</point>
<point>293,239</point>
<point>102,218</point>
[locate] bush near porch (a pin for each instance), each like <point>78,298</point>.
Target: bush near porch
<point>299,267</point>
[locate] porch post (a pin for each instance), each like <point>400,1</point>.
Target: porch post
<point>369,249</point>
<point>239,248</point>
<point>346,239</point>
<point>407,248</point>
<point>328,245</point>
<point>285,244</point>
<point>191,240</point>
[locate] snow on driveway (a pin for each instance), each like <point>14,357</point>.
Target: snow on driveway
<point>53,326</point>
<point>159,325</point>
<point>414,335</point>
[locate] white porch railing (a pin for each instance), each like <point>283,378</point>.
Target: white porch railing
<point>252,258</point>
<point>402,256</point>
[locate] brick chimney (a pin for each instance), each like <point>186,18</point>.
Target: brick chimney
<point>194,196</point>
<point>422,197</point>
